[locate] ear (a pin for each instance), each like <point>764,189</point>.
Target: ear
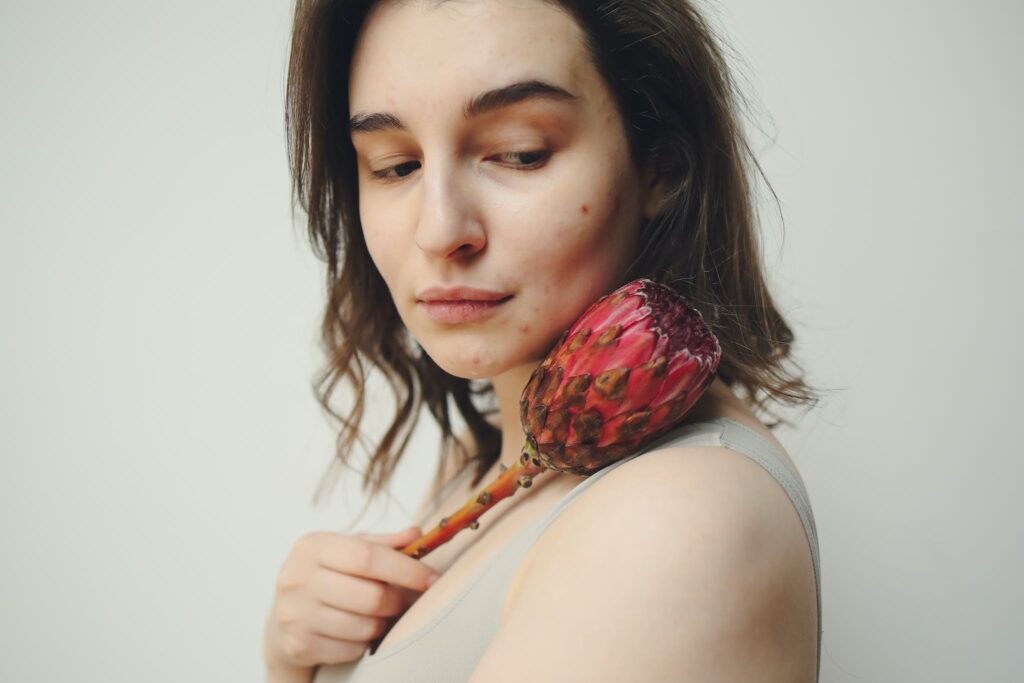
<point>653,193</point>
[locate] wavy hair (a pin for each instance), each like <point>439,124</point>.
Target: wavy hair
<point>680,109</point>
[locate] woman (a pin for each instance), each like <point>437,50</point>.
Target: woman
<point>476,173</point>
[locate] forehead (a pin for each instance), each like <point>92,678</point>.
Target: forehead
<point>419,56</point>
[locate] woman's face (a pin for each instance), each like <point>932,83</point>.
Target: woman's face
<point>528,192</point>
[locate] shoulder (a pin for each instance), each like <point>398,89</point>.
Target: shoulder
<point>689,507</point>
<point>685,558</point>
<point>682,491</point>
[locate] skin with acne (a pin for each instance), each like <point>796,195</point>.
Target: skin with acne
<point>489,153</point>
<point>494,200</point>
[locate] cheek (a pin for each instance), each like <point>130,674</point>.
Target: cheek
<point>586,228</point>
<point>382,255</point>
<point>378,243</point>
<point>373,246</point>
<point>587,250</point>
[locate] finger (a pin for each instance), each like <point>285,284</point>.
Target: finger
<point>351,555</point>
<point>345,625</point>
<point>358,595</point>
<point>326,650</point>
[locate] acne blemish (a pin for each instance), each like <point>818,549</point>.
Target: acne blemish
<point>524,328</point>
<point>584,209</point>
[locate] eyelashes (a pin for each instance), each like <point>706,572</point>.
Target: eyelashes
<point>528,161</point>
<point>385,173</point>
<point>539,157</point>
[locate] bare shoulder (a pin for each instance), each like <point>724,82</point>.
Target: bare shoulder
<point>712,496</point>
<point>685,559</point>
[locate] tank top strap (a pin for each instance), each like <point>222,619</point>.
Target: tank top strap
<point>719,431</point>
<point>471,618</point>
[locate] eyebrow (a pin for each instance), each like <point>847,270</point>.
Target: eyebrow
<point>475,106</point>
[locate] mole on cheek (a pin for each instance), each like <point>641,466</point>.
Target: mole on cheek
<point>584,209</point>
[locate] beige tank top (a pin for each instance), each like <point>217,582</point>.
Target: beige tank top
<point>448,648</point>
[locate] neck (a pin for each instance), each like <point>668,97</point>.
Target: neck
<point>508,389</point>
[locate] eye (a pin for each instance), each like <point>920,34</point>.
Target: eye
<point>526,160</point>
<point>401,170</point>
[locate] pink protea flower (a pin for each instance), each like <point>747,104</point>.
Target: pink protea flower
<point>626,371</point>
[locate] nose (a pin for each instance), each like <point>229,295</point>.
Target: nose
<point>449,227</point>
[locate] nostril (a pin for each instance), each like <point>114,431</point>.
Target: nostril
<point>466,249</point>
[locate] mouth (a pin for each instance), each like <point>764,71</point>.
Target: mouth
<point>462,310</point>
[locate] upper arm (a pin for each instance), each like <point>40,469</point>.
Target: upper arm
<point>687,563</point>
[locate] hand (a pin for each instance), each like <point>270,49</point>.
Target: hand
<point>335,594</point>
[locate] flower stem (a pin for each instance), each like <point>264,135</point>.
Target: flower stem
<point>520,474</point>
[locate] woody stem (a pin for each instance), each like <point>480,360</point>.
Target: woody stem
<point>520,474</point>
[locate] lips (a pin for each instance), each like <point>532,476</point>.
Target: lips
<point>460,304</point>
<point>460,294</point>
<point>464,311</point>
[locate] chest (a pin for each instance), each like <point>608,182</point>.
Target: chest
<point>459,560</point>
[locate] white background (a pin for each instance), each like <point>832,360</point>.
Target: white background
<point>160,442</point>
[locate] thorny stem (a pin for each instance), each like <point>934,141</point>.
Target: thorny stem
<point>520,474</point>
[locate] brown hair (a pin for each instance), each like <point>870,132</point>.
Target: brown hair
<point>679,108</point>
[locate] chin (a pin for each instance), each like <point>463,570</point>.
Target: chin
<point>467,364</point>
<point>491,353</point>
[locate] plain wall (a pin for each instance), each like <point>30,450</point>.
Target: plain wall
<point>159,438</point>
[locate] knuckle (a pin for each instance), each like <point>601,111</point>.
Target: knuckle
<point>295,648</point>
<point>285,615</point>
<point>286,581</point>
<point>293,576</point>
<point>307,542</point>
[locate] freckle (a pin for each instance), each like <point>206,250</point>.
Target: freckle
<point>584,209</point>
